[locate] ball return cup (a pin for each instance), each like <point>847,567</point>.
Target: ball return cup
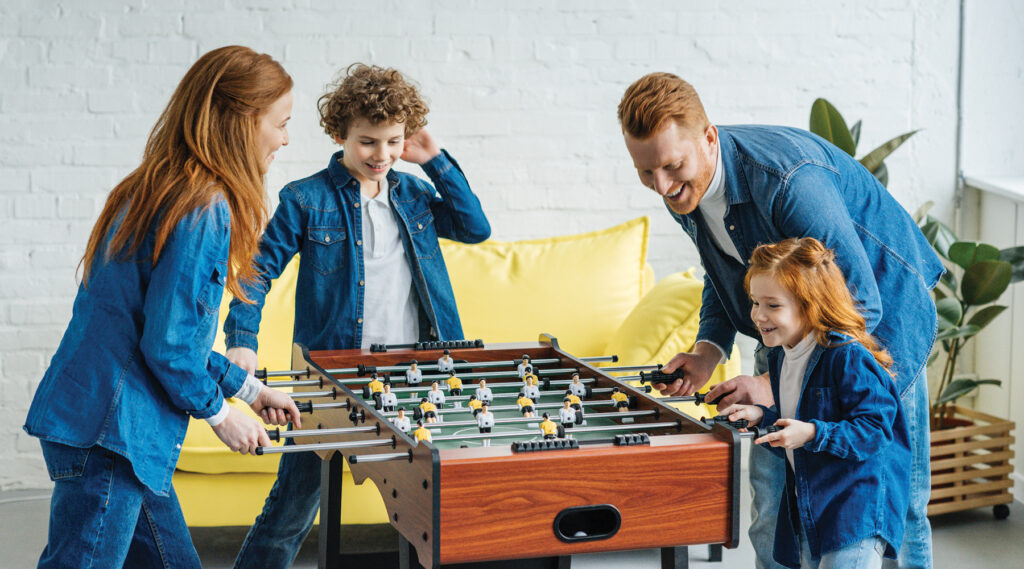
<point>628,476</point>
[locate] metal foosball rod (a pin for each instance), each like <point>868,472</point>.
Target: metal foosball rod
<point>513,420</point>
<point>509,394</point>
<point>699,398</point>
<point>497,385</point>
<point>278,434</point>
<point>503,374</point>
<point>578,430</point>
<point>366,370</point>
<point>390,442</point>
<point>447,410</point>
<point>309,406</point>
<point>426,379</point>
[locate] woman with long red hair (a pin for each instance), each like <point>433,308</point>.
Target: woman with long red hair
<point>842,428</point>
<point>136,360</point>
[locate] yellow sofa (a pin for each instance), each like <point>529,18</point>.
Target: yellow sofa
<point>593,291</point>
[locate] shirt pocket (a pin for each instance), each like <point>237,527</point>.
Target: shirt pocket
<point>825,403</point>
<point>325,249</point>
<point>423,235</point>
<point>213,289</point>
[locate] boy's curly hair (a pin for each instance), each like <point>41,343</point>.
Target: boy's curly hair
<point>379,95</point>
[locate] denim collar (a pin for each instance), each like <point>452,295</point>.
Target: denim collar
<point>735,192</point>
<point>345,181</point>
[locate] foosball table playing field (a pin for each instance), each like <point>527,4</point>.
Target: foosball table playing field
<point>610,468</point>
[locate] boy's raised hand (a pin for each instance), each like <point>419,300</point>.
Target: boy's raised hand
<point>420,148</point>
<point>792,434</point>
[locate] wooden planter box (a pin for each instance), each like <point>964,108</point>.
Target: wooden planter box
<point>971,464</point>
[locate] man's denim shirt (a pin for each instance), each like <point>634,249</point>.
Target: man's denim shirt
<point>319,217</point>
<point>784,182</point>
<point>854,476</point>
<point>136,358</point>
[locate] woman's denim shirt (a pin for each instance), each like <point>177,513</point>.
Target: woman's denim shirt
<point>319,217</point>
<point>852,481</point>
<point>785,182</point>
<point>136,358</point>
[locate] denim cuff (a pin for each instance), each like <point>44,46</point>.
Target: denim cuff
<point>241,340</point>
<point>439,164</point>
<point>822,430</point>
<point>218,417</point>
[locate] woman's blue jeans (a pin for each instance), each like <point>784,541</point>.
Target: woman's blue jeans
<point>101,516</point>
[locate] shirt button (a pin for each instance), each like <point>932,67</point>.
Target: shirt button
<point>359,320</point>
<point>355,205</point>
<point>359,242</point>
<point>419,226</point>
<point>361,283</point>
<point>732,228</point>
<point>178,446</point>
<point>327,239</point>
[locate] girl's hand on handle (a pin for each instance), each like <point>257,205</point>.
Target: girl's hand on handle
<point>241,433</point>
<point>244,358</point>
<point>752,413</point>
<point>793,434</point>
<point>276,407</point>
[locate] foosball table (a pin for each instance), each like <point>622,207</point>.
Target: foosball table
<point>622,471</point>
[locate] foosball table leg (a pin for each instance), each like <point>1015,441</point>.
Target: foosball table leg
<point>715,552</point>
<point>331,472</point>
<point>675,557</point>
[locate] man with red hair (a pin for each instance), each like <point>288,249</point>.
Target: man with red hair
<point>732,188</point>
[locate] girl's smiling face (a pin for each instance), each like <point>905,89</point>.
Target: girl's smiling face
<point>776,313</point>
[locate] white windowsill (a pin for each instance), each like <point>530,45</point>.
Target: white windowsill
<point>1008,187</point>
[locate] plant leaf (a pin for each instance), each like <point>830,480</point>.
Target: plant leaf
<point>967,253</point>
<point>957,332</point>
<point>934,356</point>
<point>984,281</point>
<point>874,159</point>
<point>949,312</point>
<point>827,123</point>
<point>1014,256</point>
<point>882,174</point>
<point>982,317</point>
<point>855,133</point>
<point>939,235</point>
<point>960,387</point>
<point>922,212</point>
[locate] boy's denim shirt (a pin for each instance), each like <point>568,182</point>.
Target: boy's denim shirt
<point>319,217</point>
<point>854,477</point>
<point>136,358</point>
<point>785,182</point>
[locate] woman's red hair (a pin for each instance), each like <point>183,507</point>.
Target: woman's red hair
<point>807,269</point>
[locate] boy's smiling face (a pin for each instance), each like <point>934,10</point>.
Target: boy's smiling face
<point>371,150</point>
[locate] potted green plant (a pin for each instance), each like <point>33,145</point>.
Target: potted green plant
<point>970,450</point>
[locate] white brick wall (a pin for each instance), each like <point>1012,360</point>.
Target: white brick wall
<point>523,93</point>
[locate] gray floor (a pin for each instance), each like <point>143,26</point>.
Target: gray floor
<point>972,539</point>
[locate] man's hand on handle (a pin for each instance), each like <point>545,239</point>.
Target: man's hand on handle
<point>697,365</point>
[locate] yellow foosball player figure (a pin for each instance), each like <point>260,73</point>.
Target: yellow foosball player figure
<point>474,404</point>
<point>525,405</point>
<point>401,421</point>
<point>421,433</point>
<point>620,400</point>
<point>429,410</point>
<point>454,384</point>
<point>525,367</point>
<point>548,428</point>
<point>574,401</point>
<point>376,388</point>
<point>530,377</point>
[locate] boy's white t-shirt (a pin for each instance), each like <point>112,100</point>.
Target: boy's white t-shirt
<point>791,380</point>
<point>390,314</point>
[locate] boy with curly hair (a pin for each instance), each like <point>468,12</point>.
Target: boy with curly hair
<point>371,269</point>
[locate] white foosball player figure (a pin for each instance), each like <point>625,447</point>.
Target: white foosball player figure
<point>483,393</point>
<point>485,419</point>
<point>435,395</point>
<point>413,375</point>
<point>577,388</point>
<point>525,367</point>
<point>531,390</point>
<point>445,363</point>
<point>566,415</point>
<point>388,400</point>
<point>402,422</point>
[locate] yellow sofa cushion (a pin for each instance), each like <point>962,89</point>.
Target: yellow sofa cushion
<point>663,324</point>
<point>578,288</point>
